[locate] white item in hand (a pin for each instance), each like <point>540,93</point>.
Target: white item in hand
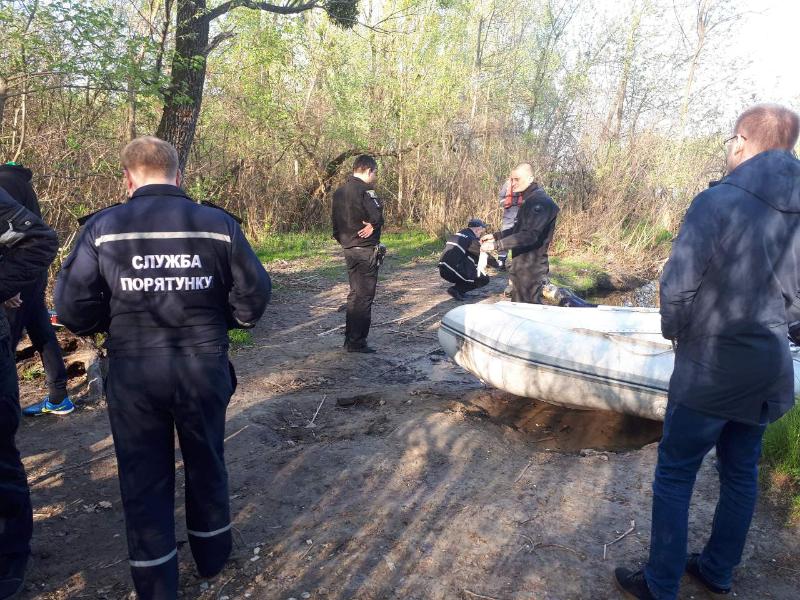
<point>483,260</point>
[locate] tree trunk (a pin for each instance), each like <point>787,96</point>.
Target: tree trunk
<point>184,96</point>
<point>3,97</point>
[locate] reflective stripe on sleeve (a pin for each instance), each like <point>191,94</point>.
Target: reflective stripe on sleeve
<point>162,235</point>
<point>155,562</point>
<point>456,245</point>
<point>208,534</point>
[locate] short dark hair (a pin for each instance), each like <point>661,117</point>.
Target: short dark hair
<point>150,155</point>
<point>769,126</point>
<point>364,162</point>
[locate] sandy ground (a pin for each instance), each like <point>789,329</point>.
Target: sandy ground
<point>430,486</point>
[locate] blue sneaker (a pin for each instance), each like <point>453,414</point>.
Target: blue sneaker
<point>46,407</point>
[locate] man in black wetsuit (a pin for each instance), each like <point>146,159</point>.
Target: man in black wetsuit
<point>529,238</point>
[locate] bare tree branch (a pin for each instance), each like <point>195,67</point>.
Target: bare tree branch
<point>217,40</point>
<point>290,8</point>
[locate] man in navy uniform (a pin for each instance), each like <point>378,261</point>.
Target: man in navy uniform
<point>27,247</point>
<point>30,312</point>
<point>730,295</point>
<point>459,261</point>
<point>529,238</point>
<point>357,216</point>
<point>165,278</point>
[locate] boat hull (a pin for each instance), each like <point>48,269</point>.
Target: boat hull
<point>606,358</point>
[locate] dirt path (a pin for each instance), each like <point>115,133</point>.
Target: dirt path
<point>430,486</point>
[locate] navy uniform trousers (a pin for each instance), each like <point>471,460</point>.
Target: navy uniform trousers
<point>362,271</point>
<point>16,516</point>
<point>149,398</point>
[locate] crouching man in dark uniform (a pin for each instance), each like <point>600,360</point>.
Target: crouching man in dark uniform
<point>459,261</point>
<point>357,216</point>
<point>166,278</point>
<point>27,247</point>
<point>529,238</point>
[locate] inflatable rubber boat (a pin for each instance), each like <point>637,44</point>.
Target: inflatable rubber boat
<point>606,357</point>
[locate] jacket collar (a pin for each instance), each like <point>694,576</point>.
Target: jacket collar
<point>353,179</point>
<point>159,189</point>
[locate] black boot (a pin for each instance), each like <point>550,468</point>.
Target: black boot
<point>455,293</point>
<point>632,584</point>
<point>693,569</point>
<point>12,574</point>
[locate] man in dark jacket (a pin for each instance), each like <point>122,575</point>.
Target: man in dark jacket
<point>166,278</point>
<point>459,261</point>
<point>730,293</point>
<point>27,248</point>
<point>32,314</point>
<point>529,238</point>
<point>357,217</point>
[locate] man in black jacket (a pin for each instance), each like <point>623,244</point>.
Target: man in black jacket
<point>459,261</point>
<point>27,247</point>
<point>529,238</point>
<point>730,293</point>
<point>357,217</point>
<point>166,278</point>
<point>31,312</point>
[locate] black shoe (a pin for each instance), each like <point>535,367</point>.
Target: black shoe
<point>632,584</point>
<point>362,349</point>
<point>12,574</point>
<point>347,401</point>
<point>693,569</point>
<point>455,294</point>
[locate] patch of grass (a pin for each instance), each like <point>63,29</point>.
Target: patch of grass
<point>781,453</point>
<point>782,443</point>
<point>291,246</point>
<point>239,338</point>
<point>403,245</point>
<point>410,244</point>
<point>32,373</point>
<point>581,276</point>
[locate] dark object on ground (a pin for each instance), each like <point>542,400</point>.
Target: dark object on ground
<point>632,584</point>
<point>564,297</point>
<point>345,402</point>
<point>693,569</point>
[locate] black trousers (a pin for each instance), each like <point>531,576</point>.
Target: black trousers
<point>149,397</point>
<point>362,271</point>
<point>16,516</point>
<point>33,317</point>
<point>528,274</point>
<point>461,284</point>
